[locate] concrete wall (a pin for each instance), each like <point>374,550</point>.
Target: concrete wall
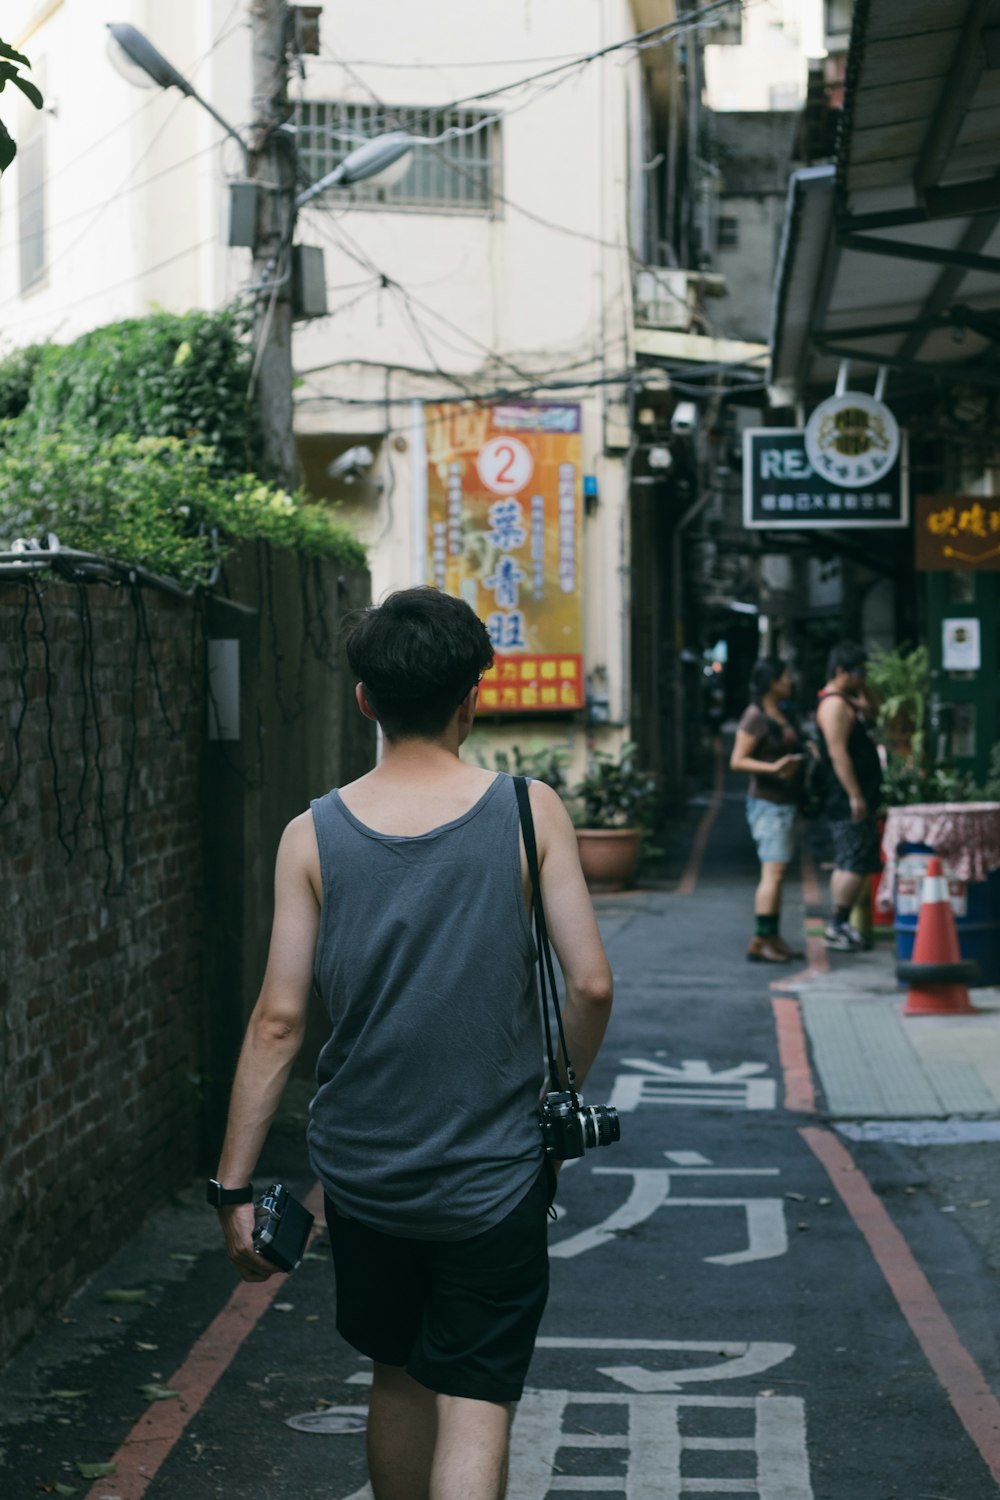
<point>754,156</point>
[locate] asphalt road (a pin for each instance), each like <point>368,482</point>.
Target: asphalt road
<point>719,1324</point>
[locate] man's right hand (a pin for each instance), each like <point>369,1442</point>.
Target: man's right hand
<point>237,1225</point>
<point>859,809</point>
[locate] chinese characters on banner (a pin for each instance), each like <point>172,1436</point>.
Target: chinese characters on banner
<point>504,527</point>
<point>958,532</point>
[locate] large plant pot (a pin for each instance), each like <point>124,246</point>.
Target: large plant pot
<point>609,856</point>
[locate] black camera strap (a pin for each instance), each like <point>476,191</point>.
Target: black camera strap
<point>546,970</point>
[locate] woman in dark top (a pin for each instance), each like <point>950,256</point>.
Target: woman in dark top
<point>770,747</point>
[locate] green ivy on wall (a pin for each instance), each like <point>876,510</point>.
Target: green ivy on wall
<point>155,502</point>
<point>138,442</point>
<point>168,375</point>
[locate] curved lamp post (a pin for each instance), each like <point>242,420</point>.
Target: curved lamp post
<point>370,159</point>
<point>136,59</point>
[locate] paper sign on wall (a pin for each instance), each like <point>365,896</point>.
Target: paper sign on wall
<point>960,646</point>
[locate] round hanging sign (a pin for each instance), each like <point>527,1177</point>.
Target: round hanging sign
<point>852,440</point>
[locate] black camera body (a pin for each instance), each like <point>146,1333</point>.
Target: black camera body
<point>283,1227</point>
<point>569,1127</point>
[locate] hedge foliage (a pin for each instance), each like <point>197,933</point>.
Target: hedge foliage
<point>163,376</point>
<point>138,440</point>
<point>155,502</point>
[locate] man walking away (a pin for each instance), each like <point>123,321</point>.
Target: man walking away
<point>409,889</point>
<point>854,782</point>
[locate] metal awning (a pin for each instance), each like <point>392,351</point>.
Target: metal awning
<point>891,256</point>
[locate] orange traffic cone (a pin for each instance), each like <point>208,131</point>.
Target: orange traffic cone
<point>937,974</point>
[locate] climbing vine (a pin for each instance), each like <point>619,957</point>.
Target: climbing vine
<point>156,502</point>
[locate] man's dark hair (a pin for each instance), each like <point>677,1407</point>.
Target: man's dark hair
<point>847,655</point>
<point>418,654</point>
<point>763,675</point>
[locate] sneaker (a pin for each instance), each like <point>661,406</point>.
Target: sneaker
<point>843,937</point>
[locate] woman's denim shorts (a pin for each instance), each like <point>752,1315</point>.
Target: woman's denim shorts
<point>772,825</point>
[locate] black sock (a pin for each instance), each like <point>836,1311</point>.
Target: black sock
<point>841,915</point>
<point>766,926</point>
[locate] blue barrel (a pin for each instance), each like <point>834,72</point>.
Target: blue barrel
<point>978,924</point>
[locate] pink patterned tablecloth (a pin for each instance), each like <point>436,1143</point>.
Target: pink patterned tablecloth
<point>966,834</point>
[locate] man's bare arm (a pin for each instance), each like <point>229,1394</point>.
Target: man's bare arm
<point>572,928</point>
<point>836,720</point>
<point>274,1033</point>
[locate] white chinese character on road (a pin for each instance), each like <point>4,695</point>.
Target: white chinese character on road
<point>692,1083</point>
<point>767,1236</point>
<point>648,1441</point>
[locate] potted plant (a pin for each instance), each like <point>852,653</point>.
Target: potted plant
<point>543,763</point>
<point>901,679</point>
<point>612,808</point>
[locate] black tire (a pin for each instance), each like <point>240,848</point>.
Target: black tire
<point>965,971</point>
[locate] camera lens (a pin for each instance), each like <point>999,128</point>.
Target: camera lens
<point>601,1125</point>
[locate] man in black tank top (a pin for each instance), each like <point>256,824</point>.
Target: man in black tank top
<point>854,785</point>
<point>444,1291</point>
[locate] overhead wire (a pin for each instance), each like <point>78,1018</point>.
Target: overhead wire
<point>104,291</point>
<point>689,21</point>
<point>119,191</point>
<point>135,187</point>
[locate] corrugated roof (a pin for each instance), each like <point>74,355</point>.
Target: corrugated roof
<point>902,233</point>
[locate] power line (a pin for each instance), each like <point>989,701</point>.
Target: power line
<point>103,208</point>
<point>134,188</point>
<point>123,185</point>
<point>483,62</point>
<point>118,282</point>
<point>693,20</point>
<point>500,393</point>
<point>149,100</point>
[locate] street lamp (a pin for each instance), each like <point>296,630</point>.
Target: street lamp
<point>135,58</point>
<point>271,219</point>
<point>374,158</point>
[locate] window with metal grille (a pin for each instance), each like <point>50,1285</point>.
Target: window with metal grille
<point>460,175</point>
<point>728,232</point>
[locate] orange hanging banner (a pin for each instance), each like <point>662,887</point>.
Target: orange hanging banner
<point>504,515</point>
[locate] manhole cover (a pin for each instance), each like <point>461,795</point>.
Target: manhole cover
<point>334,1419</point>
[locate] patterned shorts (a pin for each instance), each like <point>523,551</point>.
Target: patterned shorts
<point>856,847</point>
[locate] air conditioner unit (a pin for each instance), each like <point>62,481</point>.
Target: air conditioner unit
<point>661,298</point>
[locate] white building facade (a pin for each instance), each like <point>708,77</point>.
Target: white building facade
<point>500,264</point>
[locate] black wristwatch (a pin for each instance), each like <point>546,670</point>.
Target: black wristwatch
<point>221,1197</point>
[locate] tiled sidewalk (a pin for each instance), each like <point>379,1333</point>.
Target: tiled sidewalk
<point>874,1063</point>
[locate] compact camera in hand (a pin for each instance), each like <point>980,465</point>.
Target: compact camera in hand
<point>569,1127</point>
<point>282,1229</point>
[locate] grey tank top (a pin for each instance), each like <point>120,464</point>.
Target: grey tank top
<point>425,1118</point>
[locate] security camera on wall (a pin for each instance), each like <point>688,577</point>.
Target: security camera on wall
<point>685,418</point>
<point>352,465</point>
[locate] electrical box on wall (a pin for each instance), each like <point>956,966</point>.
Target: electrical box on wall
<point>242,225</point>
<point>308,282</point>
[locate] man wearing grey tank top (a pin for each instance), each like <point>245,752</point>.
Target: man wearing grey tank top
<point>406,897</point>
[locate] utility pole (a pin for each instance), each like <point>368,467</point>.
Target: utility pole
<point>273,167</point>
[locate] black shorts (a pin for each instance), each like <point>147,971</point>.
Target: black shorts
<point>856,847</point>
<point>460,1315</point>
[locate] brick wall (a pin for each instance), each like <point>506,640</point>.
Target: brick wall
<point>101,950</point>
